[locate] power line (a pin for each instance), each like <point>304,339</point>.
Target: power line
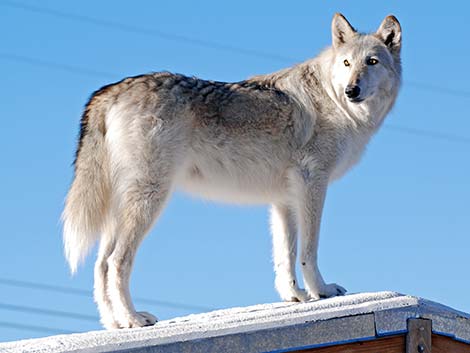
<point>108,75</point>
<point>439,89</point>
<point>47,312</point>
<point>146,31</point>
<point>193,41</point>
<point>87,293</point>
<point>103,74</point>
<point>210,44</point>
<point>45,287</point>
<point>56,66</point>
<point>42,329</point>
<point>428,134</point>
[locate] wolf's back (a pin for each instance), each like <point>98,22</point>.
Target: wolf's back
<point>87,200</point>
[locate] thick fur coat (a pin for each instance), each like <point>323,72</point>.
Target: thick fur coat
<point>276,139</point>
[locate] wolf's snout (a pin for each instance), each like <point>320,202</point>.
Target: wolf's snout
<point>352,91</point>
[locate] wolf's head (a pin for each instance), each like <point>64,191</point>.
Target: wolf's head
<point>366,67</point>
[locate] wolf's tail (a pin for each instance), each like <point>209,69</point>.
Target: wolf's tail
<point>87,201</point>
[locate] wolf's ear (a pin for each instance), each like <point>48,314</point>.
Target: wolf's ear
<point>390,33</point>
<point>341,30</point>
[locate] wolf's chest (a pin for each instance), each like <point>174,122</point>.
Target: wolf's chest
<point>350,150</point>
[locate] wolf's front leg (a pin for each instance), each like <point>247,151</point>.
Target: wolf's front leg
<point>311,202</point>
<point>284,232</point>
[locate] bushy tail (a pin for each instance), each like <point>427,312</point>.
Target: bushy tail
<point>87,200</point>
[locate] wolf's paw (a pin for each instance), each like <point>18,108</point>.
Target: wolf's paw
<point>139,319</point>
<point>146,318</point>
<point>331,290</point>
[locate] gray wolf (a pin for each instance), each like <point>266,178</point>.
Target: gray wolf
<point>276,139</point>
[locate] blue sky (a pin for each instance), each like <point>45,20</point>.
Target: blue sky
<point>399,221</point>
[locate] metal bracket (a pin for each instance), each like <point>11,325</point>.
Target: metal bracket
<point>418,338</point>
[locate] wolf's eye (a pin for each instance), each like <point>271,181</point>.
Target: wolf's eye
<point>346,63</point>
<point>372,61</point>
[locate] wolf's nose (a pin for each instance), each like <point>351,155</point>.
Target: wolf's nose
<point>352,91</point>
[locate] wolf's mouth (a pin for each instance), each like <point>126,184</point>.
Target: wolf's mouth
<point>356,100</point>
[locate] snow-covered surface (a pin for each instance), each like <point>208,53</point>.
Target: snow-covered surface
<point>266,327</point>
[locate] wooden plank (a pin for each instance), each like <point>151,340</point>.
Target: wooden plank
<point>418,338</point>
<point>392,344</point>
<point>443,344</point>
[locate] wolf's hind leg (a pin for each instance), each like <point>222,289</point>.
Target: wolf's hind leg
<point>284,233</point>
<point>105,309</point>
<point>139,207</point>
